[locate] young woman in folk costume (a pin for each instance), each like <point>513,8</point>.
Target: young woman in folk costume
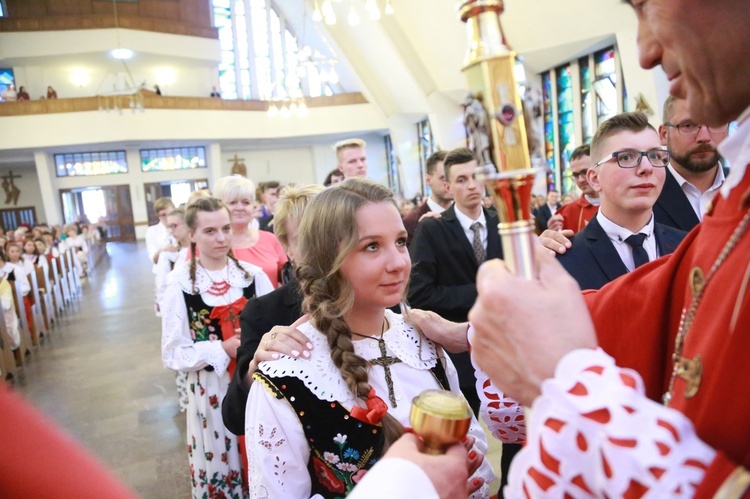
<point>201,308</point>
<point>314,427</point>
<point>23,268</point>
<point>165,263</point>
<point>31,253</point>
<point>7,302</point>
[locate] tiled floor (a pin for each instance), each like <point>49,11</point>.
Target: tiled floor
<point>99,375</point>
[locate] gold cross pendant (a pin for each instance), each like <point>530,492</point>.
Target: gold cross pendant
<point>691,371</point>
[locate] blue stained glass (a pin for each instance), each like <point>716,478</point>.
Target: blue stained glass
<point>565,123</point>
<point>549,129</point>
<point>90,163</point>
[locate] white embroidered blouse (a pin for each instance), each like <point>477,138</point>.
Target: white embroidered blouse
<point>178,350</point>
<point>276,444</point>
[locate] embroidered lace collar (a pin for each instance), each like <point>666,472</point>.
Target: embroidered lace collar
<point>321,376</point>
<point>234,275</point>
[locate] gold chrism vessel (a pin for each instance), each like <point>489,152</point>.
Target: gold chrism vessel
<point>441,418</point>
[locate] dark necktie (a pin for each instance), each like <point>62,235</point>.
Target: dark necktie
<point>476,244</point>
<point>639,253</point>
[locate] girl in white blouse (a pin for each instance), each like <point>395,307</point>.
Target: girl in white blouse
<point>314,427</point>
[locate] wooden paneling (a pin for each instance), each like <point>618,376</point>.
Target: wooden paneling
<point>183,17</point>
<point>151,101</point>
<point>105,21</point>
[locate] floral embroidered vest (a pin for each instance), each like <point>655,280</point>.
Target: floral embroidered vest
<point>342,448</point>
<point>202,326</point>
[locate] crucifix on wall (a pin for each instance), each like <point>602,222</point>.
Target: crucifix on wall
<point>238,166</point>
<point>11,190</point>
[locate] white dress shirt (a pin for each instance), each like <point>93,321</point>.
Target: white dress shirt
<point>466,222</point>
<point>618,235</point>
<point>700,201</point>
<point>736,150</point>
<point>433,206</point>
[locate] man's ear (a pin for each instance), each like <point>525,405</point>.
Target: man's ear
<point>592,176</point>
<point>663,134</point>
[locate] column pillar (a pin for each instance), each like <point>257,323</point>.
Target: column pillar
<point>48,186</point>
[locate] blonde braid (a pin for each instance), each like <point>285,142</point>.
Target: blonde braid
<point>325,300</point>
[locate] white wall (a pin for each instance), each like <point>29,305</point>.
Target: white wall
<point>95,127</point>
<point>304,164</point>
<point>173,80</point>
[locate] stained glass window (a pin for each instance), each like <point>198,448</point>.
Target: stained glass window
<point>259,47</point>
<point>292,79</point>
<point>90,163</point>
<point>605,84</point>
<point>565,123</point>
<point>243,49</point>
<point>223,23</point>
<point>394,181</point>
<point>176,158</point>
<point>586,95</point>
<point>549,127</point>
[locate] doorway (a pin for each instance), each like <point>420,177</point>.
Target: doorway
<point>178,190</point>
<point>112,203</point>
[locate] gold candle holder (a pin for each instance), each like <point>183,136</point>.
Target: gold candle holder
<point>441,418</point>
<point>489,71</point>
<point>511,193</point>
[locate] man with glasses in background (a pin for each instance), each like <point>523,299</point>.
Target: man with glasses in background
<point>574,216</point>
<point>694,174</point>
<point>628,179</point>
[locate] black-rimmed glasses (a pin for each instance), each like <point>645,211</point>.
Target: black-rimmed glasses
<point>693,128</point>
<point>630,158</point>
<point>581,174</point>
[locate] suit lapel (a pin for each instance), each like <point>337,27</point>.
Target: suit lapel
<point>675,204</point>
<point>494,246</point>
<point>454,228</point>
<point>667,239</point>
<point>604,251</point>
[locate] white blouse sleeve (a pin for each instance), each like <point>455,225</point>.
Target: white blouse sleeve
<point>594,431</point>
<point>503,416</point>
<point>395,478</point>
<point>178,350</point>
<point>163,268</point>
<point>277,450</point>
<point>263,284</point>
<point>485,470</point>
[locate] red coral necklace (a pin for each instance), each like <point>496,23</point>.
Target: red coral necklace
<point>217,288</point>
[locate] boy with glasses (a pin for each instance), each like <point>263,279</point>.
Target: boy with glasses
<point>628,177</point>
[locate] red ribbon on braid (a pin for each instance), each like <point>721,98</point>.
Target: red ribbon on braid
<point>376,409</point>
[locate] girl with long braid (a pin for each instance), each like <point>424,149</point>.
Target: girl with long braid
<point>200,316</point>
<point>314,427</point>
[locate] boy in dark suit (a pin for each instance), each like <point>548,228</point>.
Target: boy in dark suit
<point>628,176</point>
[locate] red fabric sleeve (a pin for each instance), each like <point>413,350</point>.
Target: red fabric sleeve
<point>42,462</point>
<point>716,474</point>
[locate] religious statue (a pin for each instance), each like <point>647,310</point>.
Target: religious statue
<point>477,127</point>
<point>12,192</point>
<point>238,166</point>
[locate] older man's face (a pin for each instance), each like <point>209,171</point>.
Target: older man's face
<point>704,65</point>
